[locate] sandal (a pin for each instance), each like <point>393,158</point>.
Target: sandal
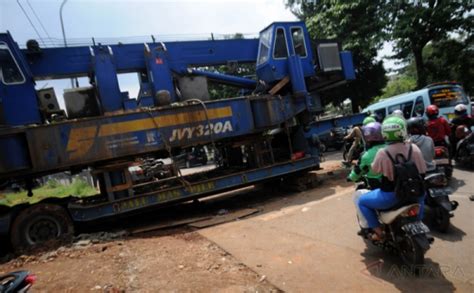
<point>377,237</point>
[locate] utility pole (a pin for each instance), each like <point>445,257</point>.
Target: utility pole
<point>64,32</point>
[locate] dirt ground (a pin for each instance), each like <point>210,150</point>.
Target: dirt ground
<point>179,261</point>
<point>172,260</point>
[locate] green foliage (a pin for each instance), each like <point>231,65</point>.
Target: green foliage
<point>220,91</point>
<point>398,85</point>
<point>446,60</point>
<point>450,60</point>
<point>360,26</point>
<point>416,23</point>
<point>52,188</point>
<point>421,31</point>
<point>52,184</point>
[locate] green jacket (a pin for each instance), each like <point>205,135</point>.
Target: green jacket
<point>364,166</point>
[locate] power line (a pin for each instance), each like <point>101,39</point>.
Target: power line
<point>37,18</point>
<point>27,17</point>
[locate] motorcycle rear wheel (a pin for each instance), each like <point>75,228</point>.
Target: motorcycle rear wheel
<point>442,220</point>
<point>411,253</point>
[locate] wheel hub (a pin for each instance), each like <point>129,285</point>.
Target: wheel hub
<point>43,229</point>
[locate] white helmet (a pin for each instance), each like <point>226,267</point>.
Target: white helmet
<point>398,113</point>
<point>460,109</point>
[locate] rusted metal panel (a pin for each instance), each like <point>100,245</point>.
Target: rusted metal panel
<point>85,141</point>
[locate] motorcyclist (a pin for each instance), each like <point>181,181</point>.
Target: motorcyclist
<point>368,120</point>
<point>374,141</point>
<point>356,134</point>
<point>437,127</point>
<point>417,130</point>
<point>461,118</point>
<point>398,113</point>
<point>394,132</point>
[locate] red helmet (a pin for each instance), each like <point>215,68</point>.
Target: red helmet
<point>432,111</point>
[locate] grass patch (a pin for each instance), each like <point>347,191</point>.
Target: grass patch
<point>51,189</point>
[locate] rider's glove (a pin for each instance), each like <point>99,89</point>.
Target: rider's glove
<point>365,169</point>
<point>357,169</point>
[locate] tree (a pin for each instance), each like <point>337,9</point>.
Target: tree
<point>218,90</point>
<point>447,60</point>
<point>416,23</point>
<point>360,26</point>
<point>398,84</point>
<point>450,59</point>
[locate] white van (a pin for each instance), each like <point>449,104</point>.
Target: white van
<point>445,95</point>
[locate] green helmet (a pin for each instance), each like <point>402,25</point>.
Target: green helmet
<point>394,129</point>
<point>368,120</point>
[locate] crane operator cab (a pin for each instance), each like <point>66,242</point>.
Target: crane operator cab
<point>285,51</point>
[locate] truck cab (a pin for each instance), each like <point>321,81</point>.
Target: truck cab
<point>285,50</point>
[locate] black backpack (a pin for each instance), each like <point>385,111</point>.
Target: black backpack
<point>409,184</point>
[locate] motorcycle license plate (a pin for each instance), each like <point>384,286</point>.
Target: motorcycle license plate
<point>442,162</point>
<point>471,148</point>
<point>434,192</point>
<point>416,228</point>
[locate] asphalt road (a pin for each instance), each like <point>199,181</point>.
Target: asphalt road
<point>307,242</point>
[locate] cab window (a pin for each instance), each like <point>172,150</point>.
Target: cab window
<point>9,71</point>
<point>419,109</point>
<point>298,41</point>
<point>264,48</point>
<point>280,50</point>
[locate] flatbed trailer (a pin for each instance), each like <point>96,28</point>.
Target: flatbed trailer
<point>267,134</point>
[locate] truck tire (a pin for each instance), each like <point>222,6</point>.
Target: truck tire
<point>40,223</point>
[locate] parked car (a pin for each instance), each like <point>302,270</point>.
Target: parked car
<point>333,139</point>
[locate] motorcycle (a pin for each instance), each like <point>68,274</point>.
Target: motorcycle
<point>357,152</point>
<point>443,161</point>
<point>148,169</point>
<point>465,146</point>
<point>333,139</point>
<point>404,234</point>
<point>20,282</point>
<point>438,206</point>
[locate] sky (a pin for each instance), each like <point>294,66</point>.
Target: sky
<point>121,20</point>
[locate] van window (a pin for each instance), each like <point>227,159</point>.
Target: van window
<point>419,109</point>
<point>406,109</point>
<point>380,113</point>
<point>448,96</point>
<point>393,108</point>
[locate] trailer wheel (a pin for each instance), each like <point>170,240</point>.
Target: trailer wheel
<point>40,223</point>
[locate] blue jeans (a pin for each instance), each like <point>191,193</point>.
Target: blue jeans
<point>380,200</point>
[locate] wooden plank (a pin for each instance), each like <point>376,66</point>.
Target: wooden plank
<point>279,85</point>
<point>170,224</point>
<point>224,218</point>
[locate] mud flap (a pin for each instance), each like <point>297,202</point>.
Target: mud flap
<point>454,205</point>
<point>422,240</point>
<point>446,204</point>
<point>5,224</point>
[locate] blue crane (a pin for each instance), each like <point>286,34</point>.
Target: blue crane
<point>264,134</point>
